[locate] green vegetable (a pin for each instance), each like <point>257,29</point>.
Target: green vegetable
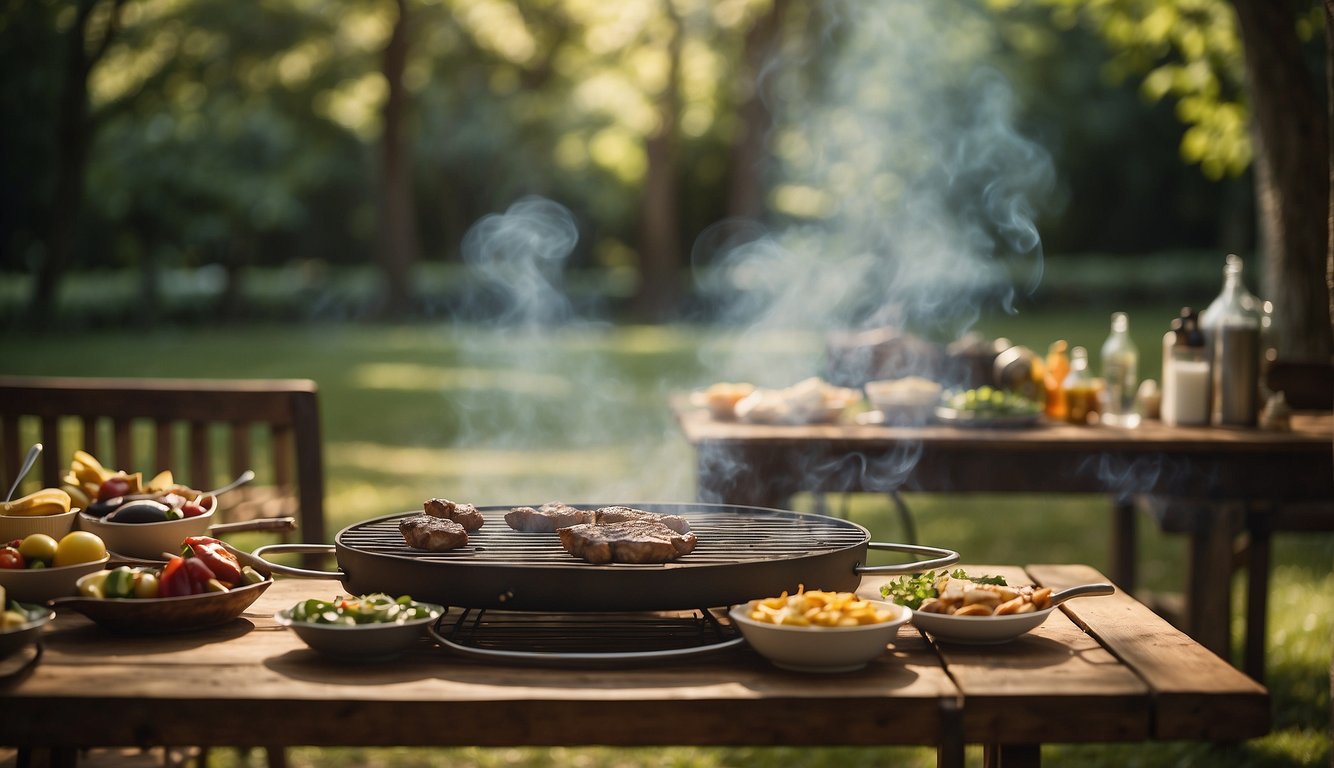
<point>377,608</point>
<point>912,590</point>
<point>986,401</point>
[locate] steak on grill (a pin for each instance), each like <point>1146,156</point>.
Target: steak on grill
<point>606,515</point>
<point>633,541</point>
<point>465,515</point>
<point>435,534</point>
<point>547,518</point>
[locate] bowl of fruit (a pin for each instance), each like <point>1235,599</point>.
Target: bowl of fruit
<point>137,518</point>
<point>38,568</point>
<point>204,586</point>
<point>49,511</point>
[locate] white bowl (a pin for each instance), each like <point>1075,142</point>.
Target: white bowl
<point>361,642</point>
<point>37,585</point>
<point>820,649</point>
<point>979,630</point>
<point>908,401</point>
<point>18,526</point>
<point>147,541</point>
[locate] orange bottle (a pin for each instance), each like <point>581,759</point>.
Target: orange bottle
<point>1058,367</point>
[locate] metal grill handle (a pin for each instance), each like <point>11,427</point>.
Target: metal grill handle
<point>298,549</point>
<point>941,558</point>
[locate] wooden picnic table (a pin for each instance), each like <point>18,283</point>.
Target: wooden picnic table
<point>1227,481</point>
<point>1101,669</point>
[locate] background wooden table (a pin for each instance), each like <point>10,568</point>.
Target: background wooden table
<point>1230,480</point>
<point>1107,669</point>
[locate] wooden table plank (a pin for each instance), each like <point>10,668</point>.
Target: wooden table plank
<point>1197,695</point>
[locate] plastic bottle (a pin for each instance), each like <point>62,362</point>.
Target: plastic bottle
<point>1120,375</point>
<point>1232,332</point>
<point>1081,390</point>
<point>1185,372</point>
<point>1057,368</point>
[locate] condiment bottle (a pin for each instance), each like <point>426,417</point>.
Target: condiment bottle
<point>1231,327</point>
<point>1120,374</point>
<point>1185,372</point>
<point>1080,389</point>
<point>1058,367</point>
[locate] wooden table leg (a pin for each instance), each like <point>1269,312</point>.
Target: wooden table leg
<point>950,750</point>
<point>1257,595</point>
<point>1011,755</point>
<point>1124,546</point>
<point>1209,577</point>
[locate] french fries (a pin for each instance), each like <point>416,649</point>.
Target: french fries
<point>817,609</point>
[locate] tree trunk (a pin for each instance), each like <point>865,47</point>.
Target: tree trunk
<point>398,245</point>
<point>660,238</point>
<point>1329,255</point>
<point>74,133</point>
<point>750,154</point>
<point>1288,131</point>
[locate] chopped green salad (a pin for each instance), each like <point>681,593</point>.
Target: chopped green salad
<point>990,402</point>
<point>376,608</point>
<point>912,590</point>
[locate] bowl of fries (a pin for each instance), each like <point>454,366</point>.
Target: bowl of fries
<point>817,631</point>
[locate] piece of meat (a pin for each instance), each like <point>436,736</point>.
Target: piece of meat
<point>465,515</point>
<point>435,534</point>
<point>634,541</point>
<point>607,515</point>
<point>548,518</point>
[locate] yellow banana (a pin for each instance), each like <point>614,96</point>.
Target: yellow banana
<point>48,501</point>
<point>93,471</point>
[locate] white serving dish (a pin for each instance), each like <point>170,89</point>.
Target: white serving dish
<point>147,541</point>
<point>979,630</point>
<point>820,649</point>
<point>37,585</point>
<point>361,642</point>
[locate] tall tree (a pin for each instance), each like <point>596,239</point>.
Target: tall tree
<point>94,27</point>
<point>660,254</point>
<point>397,248</point>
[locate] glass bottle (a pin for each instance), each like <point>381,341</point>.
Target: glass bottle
<point>1185,372</point>
<point>1080,389</point>
<point>1057,368</point>
<point>1231,327</point>
<point>1120,374</point>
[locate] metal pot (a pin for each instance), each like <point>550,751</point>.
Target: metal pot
<point>743,553</point>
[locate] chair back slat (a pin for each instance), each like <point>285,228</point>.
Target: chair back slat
<point>213,421</point>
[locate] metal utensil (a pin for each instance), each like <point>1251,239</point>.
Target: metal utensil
<point>28,461</point>
<point>1083,590</point>
<point>241,480</point>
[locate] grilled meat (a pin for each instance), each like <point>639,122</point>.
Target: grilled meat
<point>607,515</point>
<point>465,515</point>
<point>547,518</point>
<point>633,541</point>
<point>435,534</point>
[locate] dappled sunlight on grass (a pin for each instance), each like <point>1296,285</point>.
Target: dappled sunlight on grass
<point>439,378</point>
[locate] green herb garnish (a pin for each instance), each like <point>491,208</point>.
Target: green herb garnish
<point>912,590</point>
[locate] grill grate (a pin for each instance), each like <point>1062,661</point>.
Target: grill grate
<point>725,537</point>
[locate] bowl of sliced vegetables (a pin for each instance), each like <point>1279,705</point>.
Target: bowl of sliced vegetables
<point>818,631</point>
<point>21,624</point>
<point>375,627</point>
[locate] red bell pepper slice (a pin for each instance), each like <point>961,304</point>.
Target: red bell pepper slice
<point>222,564</point>
<point>174,581</point>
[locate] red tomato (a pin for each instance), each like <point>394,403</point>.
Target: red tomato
<point>11,558</point>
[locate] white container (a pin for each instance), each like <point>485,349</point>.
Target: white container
<point>1186,393</point>
<point>820,649</point>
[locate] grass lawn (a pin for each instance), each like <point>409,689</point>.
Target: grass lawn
<point>494,416</point>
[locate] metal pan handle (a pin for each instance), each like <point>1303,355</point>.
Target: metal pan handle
<point>940,559</point>
<point>297,549</point>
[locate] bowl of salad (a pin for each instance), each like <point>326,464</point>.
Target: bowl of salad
<point>375,627</point>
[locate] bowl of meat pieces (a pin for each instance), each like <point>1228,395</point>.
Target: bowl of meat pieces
<point>602,536</point>
<point>979,610</point>
<point>818,631</point>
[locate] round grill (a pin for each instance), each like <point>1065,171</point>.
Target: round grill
<point>742,553</point>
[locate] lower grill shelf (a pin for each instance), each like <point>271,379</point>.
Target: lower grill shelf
<point>584,639</point>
